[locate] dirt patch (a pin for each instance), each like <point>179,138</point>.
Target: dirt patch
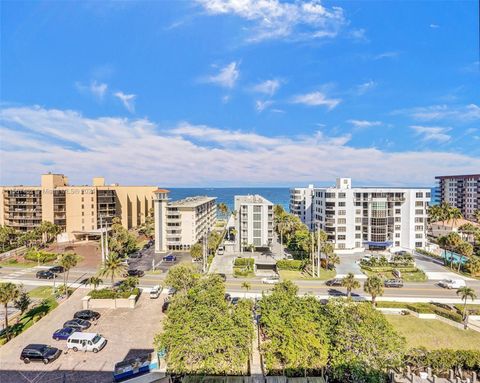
<point>89,251</point>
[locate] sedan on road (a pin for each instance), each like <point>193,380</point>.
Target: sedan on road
<point>170,258</point>
<point>57,269</point>
<point>63,333</point>
<point>86,315</point>
<point>334,282</point>
<point>39,353</point>
<point>271,280</point>
<point>45,274</point>
<point>79,324</point>
<point>393,283</point>
<point>134,273</point>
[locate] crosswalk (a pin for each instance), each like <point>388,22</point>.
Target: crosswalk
<point>17,274</point>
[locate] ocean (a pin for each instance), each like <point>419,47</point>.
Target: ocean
<point>280,196</point>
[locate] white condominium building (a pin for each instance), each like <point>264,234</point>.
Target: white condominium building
<point>181,224</point>
<point>253,221</point>
<point>301,204</point>
<point>371,218</point>
<point>462,192</point>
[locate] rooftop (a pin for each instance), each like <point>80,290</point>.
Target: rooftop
<point>191,201</point>
<point>454,223</point>
<point>252,199</point>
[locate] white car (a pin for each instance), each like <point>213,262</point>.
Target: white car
<point>452,283</point>
<point>271,280</point>
<point>86,341</point>
<point>155,292</point>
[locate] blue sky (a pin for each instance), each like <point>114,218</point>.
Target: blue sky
<point>238,92</point>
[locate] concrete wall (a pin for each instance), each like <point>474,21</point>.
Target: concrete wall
<point>127,303</point>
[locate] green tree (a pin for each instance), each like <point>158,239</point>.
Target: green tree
<point>196,251</point>
<point>67,261</point>
<point>333,258</point>
<point>295,332</point>
<point>373,286</point>
<point>476,214</point>
<point>148,228</point>
<point>246,286</point>
<point>203,335</point>
<point>450,242</point>
<point>94,281</point>
<point>7,237</point>
<point>182,277</point>
<point>113,267</point>
<point>465,293</point>
<point>223,209</point>
<point>465,249</point>
<point>364,345</point>
<point>454,214</point>
<point>121,241</point>
<point>8,293</point>
<point>350,283</point>
<point>473,266</point>
<point>23,301</point>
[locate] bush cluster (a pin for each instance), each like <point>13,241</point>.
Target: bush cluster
<point>424,308</point>
<point>108,293</point>
<point>39,256</point>
<point>443,360</point>
<point>290,264</point>
<point>244,262</point>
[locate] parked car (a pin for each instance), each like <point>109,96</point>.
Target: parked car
<point>39,353</point>
<point>79,324</point>
<point>57,269</point>
<point>452,283</point>
<point>171,291</point>
<point>393,283</point>
<point>155,291</point>
<point>165,306</point>
<point>63,333</point>
<point>220,252</point>
<point>137,254</point>
<point>134,273</point>
<point>334,282</point>
<point>86,315</point>
<point>228,297</point>
<point>271,280</point>
<point>45,274</point>
<point>234,300</point>
<point>170,258</point>
<point>288,256</point>
<point>86,341</point>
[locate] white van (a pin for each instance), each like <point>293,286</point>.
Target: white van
<point>452,283</point>
<point>155,291</point>
<point>86,341</point>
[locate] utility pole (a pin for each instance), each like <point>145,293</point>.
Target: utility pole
<point>312,253</point>
<point>318,253</point>
<point>106,240</point>
<point>101,240</point>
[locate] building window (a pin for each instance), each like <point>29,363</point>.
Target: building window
<point>419,244</point>
<point>419,235</point>
<point>418,203</point>
<point>257,217</point>
<point>342,221</point>
<point>419,195</point>
<point>342,212</point>
<point>257,209</point>
<point>341,237</point>
<point>341,195</point>
<point>358,219</point>
<point>358,244</point>
<point>342,229</point>
<point>358,236</point>
<point>341,246</point>
<point>341,204</point>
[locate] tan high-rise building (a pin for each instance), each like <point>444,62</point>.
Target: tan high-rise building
<point>79,210</point>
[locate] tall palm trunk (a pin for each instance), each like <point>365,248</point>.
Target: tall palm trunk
<point>7,330</point>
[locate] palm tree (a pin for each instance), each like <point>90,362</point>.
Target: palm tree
<point>465,293</point>
<point>8,293</point>
<point>465,249</point>
<point>450,242</point>
<point>94,281</point>
<point>113,266</point>
<point>333,259</point>
<point>223,209</point>
<point>473,266</point>
<point>476,215</point>
<point>67,261</point>
<point>246,286</point>
<point>350,283</point>
<point>373,286</point>
<point>454,215</point>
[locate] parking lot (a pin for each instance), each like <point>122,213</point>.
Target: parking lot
<point>149,258</point>
<point>129,333</point>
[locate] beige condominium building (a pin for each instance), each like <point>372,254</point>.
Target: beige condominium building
<point>78,210</point>
<point>180,224</point>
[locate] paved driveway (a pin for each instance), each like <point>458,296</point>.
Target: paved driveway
<point>434,268</point>
<point>349,263</point>
<point>129,333</point>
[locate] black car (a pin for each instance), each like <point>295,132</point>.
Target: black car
<point>234,300</point>
<point>79,324</point>
<point>39,353</point>
<point>135,273</point>
<point>165,306</point>
<point>137,254</point>
<point>393,283</point>
<point>87,315</point>
<point>334,282</point>
<point>57,269</point>
<point>45,274</point>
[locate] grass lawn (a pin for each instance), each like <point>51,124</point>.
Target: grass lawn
<point>417,276</point>
<point>433,334</point>
<point>42,292</point>
<point>15,263</point>
<point>296,275</point>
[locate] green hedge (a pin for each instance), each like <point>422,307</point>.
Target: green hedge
<point>424,308</point>
<point>290,264</point>
<point>38,255</point>
<point>442,360</point>
<point>429,254</point>
<point>108,293</point>
<point>385,269</point>
<point>244,262</point>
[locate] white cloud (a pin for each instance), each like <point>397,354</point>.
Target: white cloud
<point>268,87</point>
<point>465,113</point>
<point>273,19</point>
<point>386,55</point>
<point>359,35</point>
<point>364,123</point>
<point>226,77</point>
<point>261,105</point>
<point>316,99</point>
<point>139,152</point>
<point>366,86</point>
<point>432,133</point>
<point>434,26</point>
<point>98,90</point>
<point>128,100</point>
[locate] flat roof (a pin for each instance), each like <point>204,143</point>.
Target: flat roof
<point>256,198</point>
<point>459,176</point>
<point>191,201</point>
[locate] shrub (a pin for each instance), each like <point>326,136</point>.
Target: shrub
<point>240,273</point>
<point>39,256</point>
<point>443,360</point>
<point>244,262</point>
<point>108,293</point>
<point>289,264</point>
